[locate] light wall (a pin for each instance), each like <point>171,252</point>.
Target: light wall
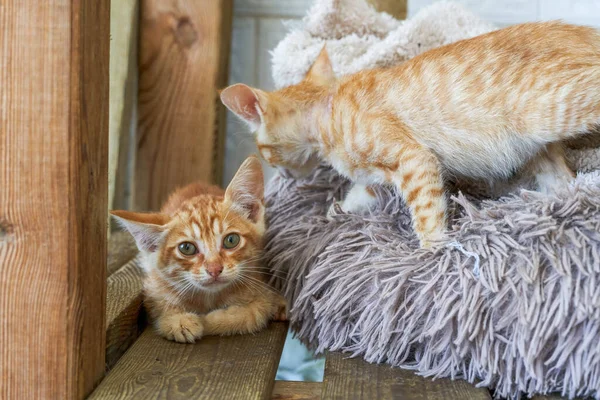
<point>258,25</point>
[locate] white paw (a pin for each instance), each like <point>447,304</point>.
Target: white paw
<point>552,183</point>
<point>182,328</point>
<point>432,240</point>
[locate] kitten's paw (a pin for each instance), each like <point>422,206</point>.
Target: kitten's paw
<point>551,185</point>
<point>182,328</point>
<point>281,314</point>
<point>334,209</point>
<point>433,242</point>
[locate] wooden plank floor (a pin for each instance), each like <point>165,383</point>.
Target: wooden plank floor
<point>291,390</point>
<point>354,378</point>
<point>235,367</point>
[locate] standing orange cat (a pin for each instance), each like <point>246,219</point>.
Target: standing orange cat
<point>484,108</point>
<point>201,257</point>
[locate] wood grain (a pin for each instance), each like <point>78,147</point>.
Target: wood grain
<point>396,8</point>
<point>289,390</point>
<point>235,367</point>
<point>354,378</point>
<point>124,299</point>
<point>121,250</point>
<point>184,53</point>
<point>53,196</point>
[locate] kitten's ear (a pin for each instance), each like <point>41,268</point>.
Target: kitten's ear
<point>245,102</point>
<point>321,71</point>
<point>245,193</point>
<point>148,229</point>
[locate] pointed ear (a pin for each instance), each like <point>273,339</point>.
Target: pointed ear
<point>245,102</point>
<point>245,193</point>
<point>321,71</point>
<point>148,229</point>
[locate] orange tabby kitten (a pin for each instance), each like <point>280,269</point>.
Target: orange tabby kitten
<point>200,256</point>
<point>482,108</point>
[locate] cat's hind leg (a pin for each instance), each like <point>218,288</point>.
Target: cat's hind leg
<point>359,198</point>
<point>550,168</point>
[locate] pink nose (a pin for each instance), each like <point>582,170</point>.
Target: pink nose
<point>214,269</point>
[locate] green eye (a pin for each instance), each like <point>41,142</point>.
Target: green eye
<point>231,240</point>
<point>187,248</point>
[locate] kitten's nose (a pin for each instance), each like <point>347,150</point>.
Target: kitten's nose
<point>214,269</point>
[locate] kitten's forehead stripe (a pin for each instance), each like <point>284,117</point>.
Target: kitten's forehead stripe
<point>196,229</point>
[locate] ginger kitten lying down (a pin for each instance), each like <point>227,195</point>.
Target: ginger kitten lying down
<point>483,108</point>
<point>202,259</point>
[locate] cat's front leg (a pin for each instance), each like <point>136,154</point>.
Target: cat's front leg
<point>550,169</point>
<point>359,198</point>
<point>238,319</point>
<point>172,321</point>
<point>419,179</point>
<point>182,327</point>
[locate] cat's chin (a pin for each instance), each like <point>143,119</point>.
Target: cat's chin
<point>213,285</point>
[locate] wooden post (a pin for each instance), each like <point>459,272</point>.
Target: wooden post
<point>396,8</point>
<point>53,196</point>
<point>184,52</point>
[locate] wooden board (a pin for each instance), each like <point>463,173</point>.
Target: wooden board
<point>121,250</point>
<point>290,390</point>
<point>124,299</point>
<point>54,83</point>
<point>184,53</point>
<point>354,378</point>
<point>396,8</point>
<point>235,367</point>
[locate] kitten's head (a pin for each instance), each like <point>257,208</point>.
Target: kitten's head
<point>281,120</point>
<point>211,241</point>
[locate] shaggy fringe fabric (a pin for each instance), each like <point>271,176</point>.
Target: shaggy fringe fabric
<point>511,302</point>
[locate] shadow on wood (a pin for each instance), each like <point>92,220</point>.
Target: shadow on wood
<point>354,378</point>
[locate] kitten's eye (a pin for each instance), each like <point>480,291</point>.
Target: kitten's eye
<point>231,240</point>
<point>187,248</point>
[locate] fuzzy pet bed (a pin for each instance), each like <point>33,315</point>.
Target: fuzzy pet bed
<point>512,302</point>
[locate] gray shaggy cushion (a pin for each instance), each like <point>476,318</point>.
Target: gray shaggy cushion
<point>511,302</point>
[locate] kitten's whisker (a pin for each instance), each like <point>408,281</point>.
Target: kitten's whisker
<point>249,284</point>
<point>265,271</point>
<point>259,285</point>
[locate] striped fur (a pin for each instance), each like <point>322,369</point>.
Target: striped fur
<point>183,299</point>
<point>483,108</point>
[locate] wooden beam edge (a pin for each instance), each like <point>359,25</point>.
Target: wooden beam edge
<point>292,390</point>
<point>123,310</point>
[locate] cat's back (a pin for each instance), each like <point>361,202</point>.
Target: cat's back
<point>518,78</point>
<point>511,90</point>
<point>532,40</point>
<point>192,190</point>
